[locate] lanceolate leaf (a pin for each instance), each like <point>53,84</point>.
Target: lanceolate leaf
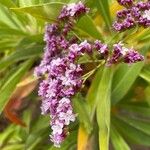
<point>9,86</point>
<point>103,108</point>
<point>47,11</point>
<point>117,140</point>
<point>91,95</point>
<point>87,25</point>
<point>124,78</point>
<point>143,126</point>
<point>10,19</point>
<point>8,3</point>
<point>81,108</point>
<point>131,133</point>
<point>21,54</point>
<point>145,74</point>
<point>137,109</point>
<point>103,8</point>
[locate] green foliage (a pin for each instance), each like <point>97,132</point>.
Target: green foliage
<point>103,8</point>
<point>10,84</point>
<point>103,108</point>
<point>109,108</point>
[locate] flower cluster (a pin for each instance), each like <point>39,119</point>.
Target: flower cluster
<point>123,54</point>
<point>134,14</point>
<point>61,75</point>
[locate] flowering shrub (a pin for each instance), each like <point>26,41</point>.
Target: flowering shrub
<point>91,71</point>
<point>63,74</point>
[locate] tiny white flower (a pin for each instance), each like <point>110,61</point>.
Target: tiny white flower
<point>57,128</point>
<point>124,50</point>
<point>146,14</point>
<point>72,66</point>
<point>56,62</point>
<point>64,100</point>
<point>67,117</point>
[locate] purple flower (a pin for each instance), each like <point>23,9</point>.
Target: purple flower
<point>126,3</point>
<point>132,57</point>
<point>57,139</point>
<point>73,10</point>
<point>62,76</point>
<point>121,53</point>
<point>134,14</point>
<point>101,48</point>
<point>85,47</point>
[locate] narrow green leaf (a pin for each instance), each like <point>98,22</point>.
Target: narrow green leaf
<point>124,78</point>
<point>36,138</point>
<point>81,108</point>
<point>7,31</point>
<point>47,11</point>
<point>103,108</point>
<point>141,125</point>
<point>87,25</point>
<point>5,136</point>
<point>21,55</point>
<point>14,147</point>
<point>103,8</point>
<point>134,135</point>
<point>147,95</point>
<point>91,95</point>
<point>38,123</point>
<point>10,19</point>
<point>117,140</point>
<point>9,86</point>
<point>8,3</point>
<point>140,110</point>
<point>145,74</point>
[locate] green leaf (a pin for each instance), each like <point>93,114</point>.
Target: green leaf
<point>40,122</point>
<point>7,31</point>
<point>117,140</point>
<point>81,108</point>
<point>124,77</point>
<point>103,8</point>
<point>36,138</point>
<point>147,95</point>
<point>91,95</point>
<point>133,108</point>
<point>145,74</point>
<point>131,133</point>
<point>5,136</point>
<point>21,55</point>
<point>47,11</point>
<point>14,147</point>
<point>87,25</point>
<point>139,124</point>
<point>103,108</point>
<point>9,86</point>
<point>8,3</point>
<point>10,19</point>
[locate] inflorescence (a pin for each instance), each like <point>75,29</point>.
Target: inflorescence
<point>61,74</point>
<point>135,13</point>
